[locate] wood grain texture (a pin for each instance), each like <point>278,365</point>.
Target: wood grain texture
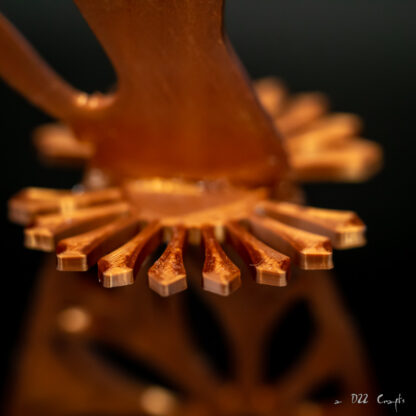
<point>330,131</point>
<point>343,228</point>
<point>189,111</point>
<point>308,251</point>
<point>321,146</point>
<point>219,274</point>
<point>272,267</point>
<point>356,161</point>
<point>300,111</point>
<point>81,252</point>
<point>272,94</point>
<point>32,202</point>
<point>57,145</point>
<point>49,229</point>
<point>168,275</point>
<point>119,268</point>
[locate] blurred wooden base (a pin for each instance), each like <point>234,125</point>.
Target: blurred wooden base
<point>60,374</point>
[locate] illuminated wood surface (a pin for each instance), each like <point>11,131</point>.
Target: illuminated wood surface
<point>271,267</point>
<point>309,251</point>
<point>119,268</point>
<point>219,275</point>
<point>168,275</point>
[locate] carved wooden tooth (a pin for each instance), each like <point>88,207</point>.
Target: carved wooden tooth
<point>272,94</point>
<point>302,110</point>
<point>42,194</point>
<point>168,276</point>
<point>31,202</point>
<point>49,229</point>
<point>81,252</point>
<point>339,124</point>
<point>330,131</point>
<point>219,275</point>
<point>356,161</point>
<point>271,266</point>
<point>56,144</point>
<point>309,251</point>
<point>344,228</point>
<point>120,267</point>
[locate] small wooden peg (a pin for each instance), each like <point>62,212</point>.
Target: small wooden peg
<point>219,275</point>
<point>49,229</point>
<point>344,228</point>
<point>168,276</point>
<point>329,131</point>
<point>120,267</point>
<point>309,251</point>
<point>301,110</point>
<point>356,161</point>
<point>57,144</point>
<point>31,202</point>
<point>272,94</point>
<point>271,267</point>
<point>81,252</point>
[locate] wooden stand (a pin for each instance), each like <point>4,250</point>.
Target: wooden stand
<point>74,355</point>
<point>187,153</point>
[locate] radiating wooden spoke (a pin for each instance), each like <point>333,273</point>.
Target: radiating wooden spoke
<point>31,202</point>
<point>309,251</point>
<point>49,229</point>
<point>42,194</point>
<point>219,275</point>
<point>86,234</point>
<point>337,124</point>
<point>272,95</point>
<point>344,228</point>
<point>81,252</point>
<point>168,276</point>
<point>120,267</point>
<point>329,131</point>
<point>271,267</point>
<point>56,144</point>
<point>356,161</point>
<point>302,109</point>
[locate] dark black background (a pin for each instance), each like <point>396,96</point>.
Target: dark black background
<point>360,52</point>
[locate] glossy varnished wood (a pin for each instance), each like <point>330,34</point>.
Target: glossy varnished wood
<point>219,275</point>
<point>32,202</point>
<point>309,251</point>
<point>188,112</point>
<point>49,229</point>
<point>344,228</point>
<point>272,267</point>
<point>81,252</point>
<point>168,275</point>
<point>119,268</point>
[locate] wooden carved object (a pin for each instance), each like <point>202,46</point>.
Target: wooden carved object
<point>196,118</point>
<point>275,234</point>
<point>191,181</point>
<point>94,344</point>
<point>320,146</point>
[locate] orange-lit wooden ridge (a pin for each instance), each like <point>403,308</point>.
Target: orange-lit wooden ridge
<point>321,146</point>
<point>269,234</point>
<point>191,151</point>
<point>194,160</point>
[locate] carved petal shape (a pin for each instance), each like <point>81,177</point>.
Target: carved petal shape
<point>219,275</point>
<point>168,276</point>
<point>309,251</point>
<point>344,228</point>
<point>271,266</point>
<point>120,267</point>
